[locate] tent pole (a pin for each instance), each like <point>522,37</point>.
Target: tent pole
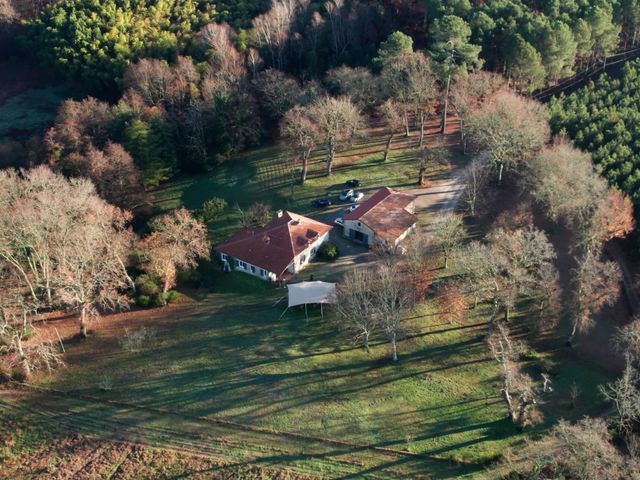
<point>305,311</point>
<point>321,314</point>
<point>285,311</point>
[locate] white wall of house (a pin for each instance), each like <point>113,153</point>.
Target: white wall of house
<point>304,257</point>
<point>245,267</point>
<point>404,235</point>
<point>353,226</point>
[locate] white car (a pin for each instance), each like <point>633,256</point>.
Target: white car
<point>339,221</point>
<point>345,195</point>
<point>356,197</point>
<point>352,208</point>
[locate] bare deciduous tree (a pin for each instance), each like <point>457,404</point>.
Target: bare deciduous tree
<point>624,393</point>
<point>410,81</point>
<point>177,242</point>
<point>449,234</point>
<point>515,383</point>
<point>357,83</point>
<point>596,284</point>
<point>509,129</point>
<point>338,121</point>
<point>469,91</point>
<point>392,118</point>
<point>93,275</point>
<point>272,28</point>
<point>302,133</point>
<point>453,303</point>
<point>584,450</point>
<point>277,92</point>
<point>394,298</point>
<point>476,178</point>
<point>355,303</point>
<point>626,340</point>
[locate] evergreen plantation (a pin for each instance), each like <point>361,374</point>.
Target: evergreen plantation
<point>604,118</point>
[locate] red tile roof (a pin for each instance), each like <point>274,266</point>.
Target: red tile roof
<point>274,246</point>
<point>385,212</point>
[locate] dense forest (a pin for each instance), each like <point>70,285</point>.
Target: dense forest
<point>533,43</point>
<point>604,118</point>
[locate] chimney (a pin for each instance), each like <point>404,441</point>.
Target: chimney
<point>279,213</point>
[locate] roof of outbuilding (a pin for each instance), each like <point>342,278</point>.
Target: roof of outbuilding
<point>274,246</point>
<point>385,212</point>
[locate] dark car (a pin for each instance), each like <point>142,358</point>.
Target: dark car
<point>353,183</point>
<point>322,203</point>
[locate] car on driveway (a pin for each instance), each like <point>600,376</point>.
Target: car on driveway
<point>353,183</point>
<point>356,197</point>
<point>345,195</point>
<point>352,208</point>
<point>321,203</point>
<point>339,221</point>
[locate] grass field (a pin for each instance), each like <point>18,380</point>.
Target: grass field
<point>230,356</point>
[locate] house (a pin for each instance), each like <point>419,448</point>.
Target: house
<point>284,246</point>
<point>386,218</point>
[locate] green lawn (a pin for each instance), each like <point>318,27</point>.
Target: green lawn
<point>231,356</point>
<point>264,175</point>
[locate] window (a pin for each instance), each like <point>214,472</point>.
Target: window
<point>223,257</point>
<point>241,264</point>
<point>262,272</point>
<point>253,269</point>
<point>313,251</point>
<point>303,259</point>
<point>359,224</point>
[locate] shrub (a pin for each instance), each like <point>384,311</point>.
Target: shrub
<point>328,251</point>
<point>143,301</point>
<point>171,296</point>
<point>212,209</point>
<point>147,285</point>
<point>189,279</point>
<point>18,374</point>
<point>106,383</point>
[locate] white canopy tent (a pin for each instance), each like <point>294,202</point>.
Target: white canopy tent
<point>311,292</point>
<point>304,293</point>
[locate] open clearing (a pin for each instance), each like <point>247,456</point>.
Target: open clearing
<point>227,378</point>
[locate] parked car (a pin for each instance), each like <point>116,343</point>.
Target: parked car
<point>345,195</point>
<point>321,203</point>
<point>352,208</point>
<point>353,183</point>
<point>339,220</point>
<point>356,197</point>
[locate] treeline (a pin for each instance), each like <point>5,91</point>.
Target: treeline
<point>604,119</point>
<point>532,43</point>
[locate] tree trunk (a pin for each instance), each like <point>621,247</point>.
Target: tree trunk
<point>443,124</point>
<point>366,340</point>
<point>23,358</point>
<point>446,261</point>
<point>83,323</point>
<point>387,148</point>
<point>406,124</point>
<point>330,155</point>
<point>508,401</point>
<point>421,129</point>
<point>507,313</point>
<point>421,173</point>
<point>305,166</point>
<point>394,350</point>
<point>500,169</point>
<point>572,334</point>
